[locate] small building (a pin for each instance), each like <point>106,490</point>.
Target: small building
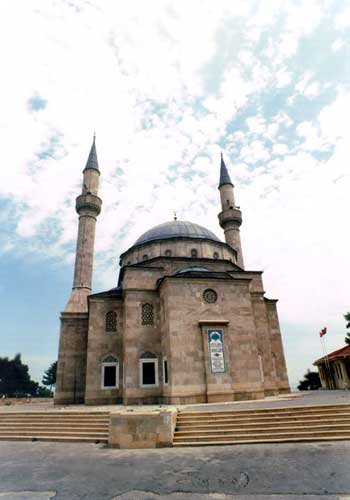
<point>334,369</point>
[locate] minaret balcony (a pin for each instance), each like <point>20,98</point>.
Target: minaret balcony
<point>88,203</point>
<point>230,216</point>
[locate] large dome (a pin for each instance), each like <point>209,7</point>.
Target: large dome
<point>176,229</point>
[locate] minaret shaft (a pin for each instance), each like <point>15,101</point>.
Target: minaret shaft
<point>88,206</point>
<point>230,218</point>
<point>84,252</point>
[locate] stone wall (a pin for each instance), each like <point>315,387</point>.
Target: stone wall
<point>189,374</point>
<point>142,429</point>
<point>277,347</point>
<point>178,248</point>
<point>71,367</point>
<point>139,339</point>
<point>101,344</point>
<point>264,344</point>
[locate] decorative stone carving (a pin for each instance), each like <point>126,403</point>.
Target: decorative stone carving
<point>210,296</point>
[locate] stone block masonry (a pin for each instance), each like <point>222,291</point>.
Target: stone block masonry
<point>142,429</point>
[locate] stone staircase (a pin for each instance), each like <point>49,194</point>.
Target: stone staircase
<point>61,426</point>
<point>265,425</point>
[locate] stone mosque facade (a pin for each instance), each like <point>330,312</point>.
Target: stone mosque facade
<point>186,322</point>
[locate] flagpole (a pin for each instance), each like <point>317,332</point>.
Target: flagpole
<point>328,368</point>
<point>325,360</point>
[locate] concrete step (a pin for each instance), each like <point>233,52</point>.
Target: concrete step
<point>262,414</point>
<point>261,430</point>
<point>55,421</point>
<point>46,428</point>
<point>248,425</point>
<point>56,413</point>
<point>345,437</point>
<point>258,425</point>
<point>273,410</point>
<point>198,419</point>
<point>55,426</point>
<point>49,437</point>
<point>50,432</point>
<point>272,435</point>
<point>57,417</point>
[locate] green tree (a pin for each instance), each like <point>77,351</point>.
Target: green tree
<point>347,319</point>
<point>49,377</point>
<point>311,382</point>
<point>44,392</point>
<point>15,380</point>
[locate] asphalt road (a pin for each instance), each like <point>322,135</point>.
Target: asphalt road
<point>41,471</point>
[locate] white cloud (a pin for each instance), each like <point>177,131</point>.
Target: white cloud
<point>254,152</point>
<point>333,118</point>
<point>342,21</point>
<point>337,44</point>
<point>283,78</point>
<point>313,140</point>
<point>307,87</point>
<point>166,86</point>
<point>280,149</point>
<point>312,90</point>
<point>256,124</point>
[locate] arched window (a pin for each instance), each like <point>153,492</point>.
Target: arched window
<point>216,255</point>
<point>148,370</point>
<point>145,257</point>
<point>109,372</point>
<point>168,253</point>
<point>111,321</point>
<point>147,315</point>
<point>194,253</point>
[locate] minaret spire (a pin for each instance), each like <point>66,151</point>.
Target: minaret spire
<point>224,175</point>
<point>230,218</point>
<point>92,162</point>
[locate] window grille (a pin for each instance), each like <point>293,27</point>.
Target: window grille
<point>148,355</point>
<point>147,315</point>
<point>111,321</point>
<point>110,359</point>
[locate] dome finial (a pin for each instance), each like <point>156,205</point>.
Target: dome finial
<point>175,215</point>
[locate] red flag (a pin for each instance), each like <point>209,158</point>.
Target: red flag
<point>323,331</point>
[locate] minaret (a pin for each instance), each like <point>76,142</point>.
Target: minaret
<point>231,217</point>
<point>88,206</point>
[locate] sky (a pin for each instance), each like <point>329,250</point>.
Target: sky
<point>167,85</point>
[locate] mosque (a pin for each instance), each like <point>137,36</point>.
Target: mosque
<point>186,322</point>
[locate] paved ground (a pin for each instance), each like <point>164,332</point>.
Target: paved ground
<point>308,471</point>
<point>92,472</point>
<point>293,399</point>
